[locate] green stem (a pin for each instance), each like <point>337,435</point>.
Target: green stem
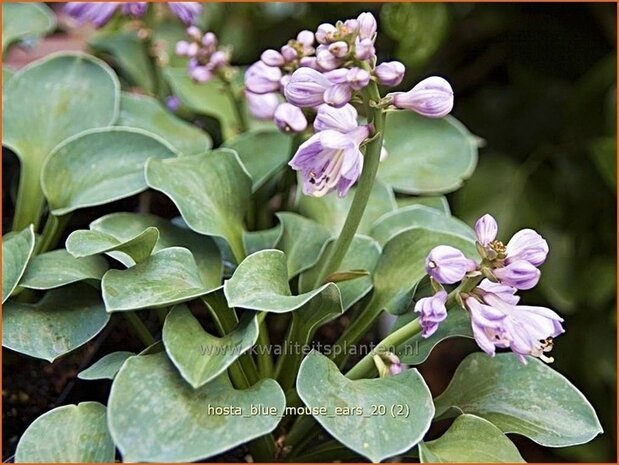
<point>237,104</point>
<point>355,331</point>
<point>237,248</point>
<point>140,329</point>
<point>364,187</point>
<point>290,176</point>
<point>265,362</point>
<point>30,201</point>
<point>53,229</point>
<point>289,362</point>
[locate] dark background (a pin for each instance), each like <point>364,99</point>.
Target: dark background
<point>538,83</point>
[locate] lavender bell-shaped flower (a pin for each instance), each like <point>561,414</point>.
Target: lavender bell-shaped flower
<point>306,88</point>
<point>331,158</point>
<point>390,73</point>
<point>432,312</point>
<point>486,229</point>
<point>97,13</point>
<point>262,106</point>
<point>289,118</point>
<point>272,57</point>
<point>505,292</point>
<point>448,265</point>
<point>367,25</point>
<point>186,11</point>
<point>262,79</point>
<point>527,245</point>
<point>519,274</point>
<point>433,97</point>
<point>338,95</point>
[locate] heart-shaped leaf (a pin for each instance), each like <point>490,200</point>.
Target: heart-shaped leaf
<point>25,21</point>
<point>124,226</point>
<point>417,349</point>
<point>260,240</point>
<point>331,210</point>
<point>63,320</point>
<point>17,249</point>
<point>362,255</point>
<point>438,202</point>
<point>418,216</point>
<point>129,54</point>
<point>106,367</point>
<point>199,356</point>
<point>260,282</point>
<point>59,268</point>
<point>302,241</point>
<point>377,418</point>
<point>402,265</point>
<point>427,156</point>
<point>532,399</point>
<point>47,102</point>
<point>99,166</point>
<point>156,416</point>
<point>167,277</point>
<point>262,164</point>
<point>211,191</point>
<point>141,111</point>
<point>80,435</point>
<point>86,242</point>
<point>470,439</point>
<point>208,98</point>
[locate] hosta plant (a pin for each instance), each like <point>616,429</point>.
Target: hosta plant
<point>286,223</point>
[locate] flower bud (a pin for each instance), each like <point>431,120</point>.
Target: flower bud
<point>201,74</point>
<point>390,73</point>
<point>433,97</point>
<point>209,40</point>
<point>173,103</point>
<point>367,25</point>
<point>527,245</point>
<point>194,32</point>
<point>262,79</point>
<point>325,33</point>
<point>272,57</point>
<point>358,78</point>
<point>306,88</point>
<point>289,118</point>
<point>395,369</point>
<point>338,95</point>
<point>338,49</point>
<point>432,312</point>
<point>182,48</point>
<point>519,274</point>
<point>337,76</point>
<point>364,49</point>
<point>486,229</point>
<point>326,60</point>
<point>448,265</point>
<point>306,38</point>
<point>289,53</point>
<point>351,25</point>
<point>262,106</point>
<point>308,62</point>
<point>283,82</point>
<point>218,59</point>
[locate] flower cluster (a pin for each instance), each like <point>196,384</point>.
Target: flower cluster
<point>100,13</point>
<point>206,58</point>
<point>320,74</point>
<point>496,319</point>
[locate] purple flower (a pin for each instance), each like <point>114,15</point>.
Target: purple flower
<point>390,73</point>
<point>186,49</point>
<point>433,97</point>
<point>486,229</point>
<point>448,265</point>
<point>97,13</point>
<point>262,79</point>
<point>173,103</point>
<point>357,78</point>
<point>272,57</point>
<point>306,38</point>
<point>325,33</point>
<point>338,95</point>
<point>186,11</point>
<point>306,88</point>
<point>519,274</point>
<point>289,53</point>
<point>330,160</point>
<point>326,60</point>
<point>432,312</point>
<point>262,106</point>
<point>507,293</point>
<point>364,49</point>
<point>527,245</point>
<point>526,330</point>
<point>338,49</point>
<point>135,9</point>
<point>289,118</point>
<point>367,26</point>
<point>340,119</point>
